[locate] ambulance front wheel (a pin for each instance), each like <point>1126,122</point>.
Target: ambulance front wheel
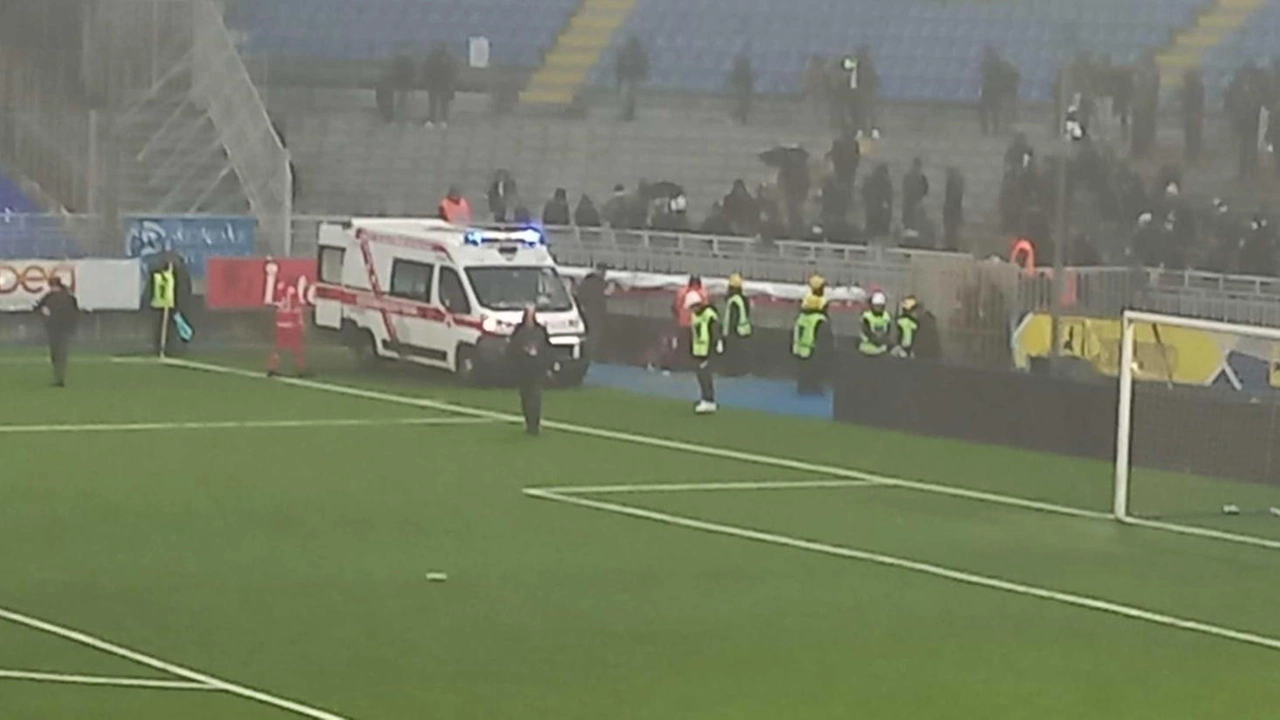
<point>468,367</point>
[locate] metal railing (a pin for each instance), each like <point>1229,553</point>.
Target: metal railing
<point>221,84</point>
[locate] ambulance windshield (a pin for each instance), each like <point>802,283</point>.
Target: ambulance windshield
<point>513,288</point>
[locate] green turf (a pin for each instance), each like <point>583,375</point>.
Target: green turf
<point>292,560</point>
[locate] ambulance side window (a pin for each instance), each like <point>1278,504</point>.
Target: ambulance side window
<point>331,265</point>
<point>411,280</point>
<point>452,294</point>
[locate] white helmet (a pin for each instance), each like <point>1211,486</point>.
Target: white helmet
<point>878,299</point>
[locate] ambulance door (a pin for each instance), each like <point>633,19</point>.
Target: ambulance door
<point>416,322</point>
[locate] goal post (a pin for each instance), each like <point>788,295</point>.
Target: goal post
<point>1198,427</point>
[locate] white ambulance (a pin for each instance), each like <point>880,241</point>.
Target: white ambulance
<point>432,293</point>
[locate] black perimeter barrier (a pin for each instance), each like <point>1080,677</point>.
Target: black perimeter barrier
<point>1203,431</point>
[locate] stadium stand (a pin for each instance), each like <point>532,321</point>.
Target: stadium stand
<point>924,49</point>
<point>519,31</point>
<point>1255,40</point>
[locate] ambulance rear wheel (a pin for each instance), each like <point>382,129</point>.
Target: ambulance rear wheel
<point>363,346</point>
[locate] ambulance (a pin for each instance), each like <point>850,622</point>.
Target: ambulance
<point>428,292</point>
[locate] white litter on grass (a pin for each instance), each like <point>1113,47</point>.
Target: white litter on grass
<point>437,577</point>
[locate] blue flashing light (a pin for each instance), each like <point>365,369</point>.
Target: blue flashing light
<point>473,237</point>
<point>531,237</point>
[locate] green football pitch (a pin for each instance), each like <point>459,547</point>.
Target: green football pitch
<point>207,543</point>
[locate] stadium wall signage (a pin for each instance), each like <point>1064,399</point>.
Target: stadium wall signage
<point>98,284</point>
<point>247,283</point>
<point>195,238</point>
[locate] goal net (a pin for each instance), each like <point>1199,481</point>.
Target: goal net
<point>1198,433</point>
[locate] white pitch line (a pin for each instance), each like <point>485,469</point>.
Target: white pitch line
<point>237,425</point>
<point>168,667</point>
<point>664,443</point>
<point>697,487</point>
<point>985,581</point>
<point>143,683</point>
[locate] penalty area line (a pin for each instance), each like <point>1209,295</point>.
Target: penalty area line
<point>985,581</point>
<point>123,682</point>
<point>110,648</point>
<point>707,487</point>
<point>238,425</point>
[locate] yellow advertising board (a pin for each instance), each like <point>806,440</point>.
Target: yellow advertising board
<point>1165,354</point>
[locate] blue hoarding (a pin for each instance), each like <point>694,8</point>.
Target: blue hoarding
<point>195,238</point>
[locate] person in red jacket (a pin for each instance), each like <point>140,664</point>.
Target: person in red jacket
<point>288,331</point>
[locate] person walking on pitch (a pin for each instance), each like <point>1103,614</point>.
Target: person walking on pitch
<point>529,352</point>
<point>61,314</point>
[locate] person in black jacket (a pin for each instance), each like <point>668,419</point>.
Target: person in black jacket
<point>529,351</point>
<point>61,314</point>
<point>556,211</point>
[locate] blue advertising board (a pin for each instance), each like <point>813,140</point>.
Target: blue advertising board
<point>194,238</point>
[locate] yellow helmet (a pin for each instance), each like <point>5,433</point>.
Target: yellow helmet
<point>735,281</point>
<point>813,303</point>
<point>909,303</point>
<point>816,283</point>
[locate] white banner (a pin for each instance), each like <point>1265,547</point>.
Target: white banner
<point>790,292</point>
<point>97,284</point>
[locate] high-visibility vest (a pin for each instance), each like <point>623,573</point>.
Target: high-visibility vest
<point>804,339</point>
<point>743,327</point>
<point>879,324</point>
<point>457,211</point>
<point>907,327</point>
<point>163,289</point>
<point>700,345</point>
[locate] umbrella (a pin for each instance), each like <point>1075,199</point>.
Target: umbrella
<point>785,156</point>
<point>663,189</point>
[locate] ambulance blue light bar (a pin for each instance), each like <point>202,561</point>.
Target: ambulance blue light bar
<point>529,237</point>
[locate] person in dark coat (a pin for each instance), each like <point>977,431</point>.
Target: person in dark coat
<point>593,302</point>
<point>529,352</point>
<point>503,195</point>
<point>1258,256</point>
<point>715,222</point>
<point>915,188</point>
<point>877,198</point>
<point>631,70</point>
<point>1192,112</point>
<point>741,210</point>
<point>617,210</point>
<point>845,155</point>
<point>61,314</point>
<point>834,215</point>
<point>586,215</point>
<point>952,210</point>
<point>440,72</point>
<point>556,211</point>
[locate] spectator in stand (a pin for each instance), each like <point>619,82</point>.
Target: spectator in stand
<point>402,81</point>
<point>455,208</point>
<point>845,155</point>
<point>834,214</point>
<point>741,84</point>
<point>617,210</point>
<point>990,96</point>
<point>741,211</point>
<point>952,210</point>
<point>1258,257</point>
<point>586,215</point>
<point>1244,100</point>
<point>865,84</point>
<point>503,195</point>
<point>1017,188</point>
<point>1145,107</point>
<point>1192,113</point>
<point>1226,239</point>
<point>440,72</point>
<point>794,184</point>
<point>672,214</point>
<point>556,211</point>
<point>631,69</point>
<point>915,188</point>
<point>715,222</point>
<point>877,199</point>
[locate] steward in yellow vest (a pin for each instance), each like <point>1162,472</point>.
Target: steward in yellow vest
<point>812,345</point>
<point>737,330</point>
